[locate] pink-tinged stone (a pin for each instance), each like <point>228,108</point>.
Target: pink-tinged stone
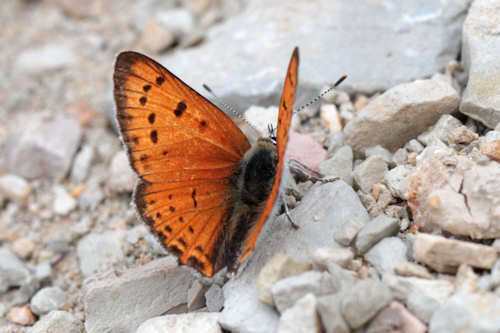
<point>305,149</point>
<point>396,318</point>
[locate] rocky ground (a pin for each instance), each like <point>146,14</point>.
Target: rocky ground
<point>407,241</point>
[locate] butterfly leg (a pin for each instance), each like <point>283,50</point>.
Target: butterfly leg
<point>289,217</point>
<point>306,173</point>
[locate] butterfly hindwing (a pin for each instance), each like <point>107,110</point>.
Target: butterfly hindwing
<point>184,149</point>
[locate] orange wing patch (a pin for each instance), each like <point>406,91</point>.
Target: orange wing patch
<point>184,150</point>
<point>284,121</point>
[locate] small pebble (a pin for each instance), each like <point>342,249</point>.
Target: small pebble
<point>21,315</point>
<point>48,299</point>
<point>15,188</point>
<point>23,247</point>
<point>64,203</point>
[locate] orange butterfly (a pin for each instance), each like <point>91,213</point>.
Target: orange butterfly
<point>203,191</point>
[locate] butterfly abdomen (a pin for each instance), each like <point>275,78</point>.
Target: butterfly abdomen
<point>253,182</point>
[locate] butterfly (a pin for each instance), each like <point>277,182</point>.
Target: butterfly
<point>203,190</point>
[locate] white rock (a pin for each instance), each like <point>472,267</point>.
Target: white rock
<point>479,43</point>
<point>302,317</point>
<point>280,266</point>
<point>15,188</point>
<point>400,114</point>
<point>341,256</point>
<point>180,21</point>
<point>467,313</point>
<point>445,255</point>
<point>412,269</point>
<point>63,203</point>
<point>182,323</point>
<point>330,117</point>
<point>288,290</point>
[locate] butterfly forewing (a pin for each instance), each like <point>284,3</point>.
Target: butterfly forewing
<point>184,150</point>
<point>284,121</point>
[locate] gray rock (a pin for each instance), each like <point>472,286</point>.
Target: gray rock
<point>363,301</point>
<point>400,156</point>
<point>398,179</point>
<point>182,323</point>
<point>378,150</point>
<point>43,272</point>
<point>340,164</point>
<point>302,317</point>
<point>196,296</point>
<point>139,294</point>
<point>445,255</point>
<point>288,290</point>
<point>121,176</point>
<point>214,298</point>
<point>380,227</point>
<point>15,188</point>
<point>467,313</point>
<point>335,141</point>
<point>26,291</point>
<point>479,41</point>
<point>331,317</point>
<point>92,196</point>
<point>81,164</point>
<point>401,114</point>
<point>414,146</point>
<point>442,130</point>
<point>97,252</point>
<point>46,58</point>
<point>395,318</point>
<point>39,148</point>
<point>370,172</point>
<point>347,231</point>
<point>342,279</point>
<point>13,272</point>
<point>63,203</point>
<point>180,21</point>
<point>387,254</point>
<point>333,204</point>
<point>429,22</point>
<point>58,322</point>
<point>47,299</point>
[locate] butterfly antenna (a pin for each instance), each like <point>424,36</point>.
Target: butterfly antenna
<point>317,98</point>
<point>227,106</point>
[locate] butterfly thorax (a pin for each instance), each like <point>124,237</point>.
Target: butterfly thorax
<point>255,177</point>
